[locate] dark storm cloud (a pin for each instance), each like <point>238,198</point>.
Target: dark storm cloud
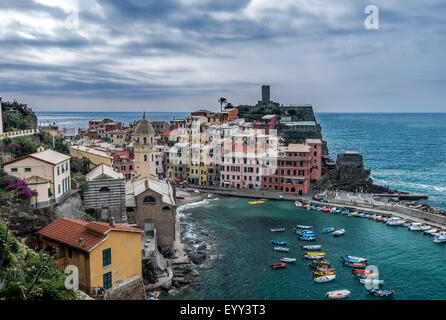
<point>172,49</point>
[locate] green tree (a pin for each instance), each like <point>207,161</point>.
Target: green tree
<point>222,101</point>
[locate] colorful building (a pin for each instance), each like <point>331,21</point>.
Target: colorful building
<point>105,254</point>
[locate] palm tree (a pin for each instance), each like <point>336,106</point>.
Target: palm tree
<point>221,100</point>
<point>229,106</point>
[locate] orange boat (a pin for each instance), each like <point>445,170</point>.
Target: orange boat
<point>278,265</point>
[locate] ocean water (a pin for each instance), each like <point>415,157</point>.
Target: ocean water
<point>406,259</point>
<point>404,151</point>
<point>80,119</point>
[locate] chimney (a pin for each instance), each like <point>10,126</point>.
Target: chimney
<point>81,242</point>
<point>112,222</point>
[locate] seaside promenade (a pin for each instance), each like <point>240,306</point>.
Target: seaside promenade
<point>363,202</point>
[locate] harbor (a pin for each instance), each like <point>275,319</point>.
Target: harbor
<point>246,253</point>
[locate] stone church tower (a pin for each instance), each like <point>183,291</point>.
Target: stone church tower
<point>144,149</point>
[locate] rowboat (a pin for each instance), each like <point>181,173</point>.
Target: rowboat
<point>304,232</point>
<point>312,247</point>
<point>277,229</point>
<point>281,249</point>
<point>338,233</point>
<point>371,281</point>
<point>377,218</point>
<point>289,260</point>
<point>256,202</point>
<point>381,293</point>
<point>353,259</point>
<point>345,211</point>
<point>298,204</point>
<point>307,238</point>
<point>424,228</point>
<point>327,209</point>
<point>316,253</point>
<point>278,266</point>
<point>324,273</point>
<point>299,226</point>
<point>338,294</point>
<point>313,257</point>
<point>283,243</point>
<point>355,264</point>
<point>328,230</point>
<point>325,278</point>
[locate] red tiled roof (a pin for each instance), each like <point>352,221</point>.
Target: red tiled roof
<point>69,231</point>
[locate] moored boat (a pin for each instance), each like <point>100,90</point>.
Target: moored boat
<point>353,259</point>
<point>371,282</point>
<point>338,233</point>
<point>313,257</point>
<point>316,253</point>
<point>280,243</point>
<point>288,260</point>
<point>431,231</point>
<point>256,202</point>
<point>312,247</point>
<point>338,294</point>
<point>441,237</point>
<point>277,229</point>
<point>325,278</point>
<point>424,228</point>
<point>278,265</point>
<point>298,204</point>
<point>416,226</point>
<point>324,273</point>
<point>301,227</point>
<point>381,293</point>
<point>281,249</point>
<point>328,230</point>
<point>303,238</point>
<point>355,264</point>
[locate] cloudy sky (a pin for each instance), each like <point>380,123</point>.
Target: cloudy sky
<point>178,55</point>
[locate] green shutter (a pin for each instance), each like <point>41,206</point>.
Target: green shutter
<point>107,279</point>
<point>106,257</point>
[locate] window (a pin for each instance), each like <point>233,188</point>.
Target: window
<point>106,257</point>
<point>149,199</point>
<point>104,189</point>
<point>107,280</point>
<point>14,169</point>
<point>58,188</point>
<point>166,208</point>
<point>27,169</point>
<point>58,172</point>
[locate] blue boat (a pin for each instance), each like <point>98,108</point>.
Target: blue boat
<point>328,230</point>
<point>346,211</point>
<point>283,243</point>
<point>305,238</point>
<point>353,259</point>
<point>381,293</point>
<point>338,211</point>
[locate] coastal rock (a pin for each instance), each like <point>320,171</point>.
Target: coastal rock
<point>201,246</point>
<point>198,258</point>
<point>195,273</point>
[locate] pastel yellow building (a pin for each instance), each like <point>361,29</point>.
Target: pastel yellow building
<point>96,157</point>
<point>106,254</point>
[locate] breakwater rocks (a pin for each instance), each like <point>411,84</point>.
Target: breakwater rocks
<point>199,245</point>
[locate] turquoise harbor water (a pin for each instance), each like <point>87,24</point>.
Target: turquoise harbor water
<point>408,261</point>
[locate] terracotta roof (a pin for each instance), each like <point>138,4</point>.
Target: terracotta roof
<point>69,231</point>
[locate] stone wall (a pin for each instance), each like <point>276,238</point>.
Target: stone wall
<point>130,290</point>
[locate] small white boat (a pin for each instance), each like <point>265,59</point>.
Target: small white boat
<point>338,294</point>
<point>282,249</point>
<point>338,233</point>
<point>312,247</point>
<point>353,214</point>
<point>325,278</point>
<point>377,217</point>
<point>288,260</point>
<point>431,231</point>
<point>299,226</point>
<point>298,204</point>
<point>371,281</point>
<point>416,226</point>
<point>396,222</point>
<point>424,228</point>
<point>440,238</point>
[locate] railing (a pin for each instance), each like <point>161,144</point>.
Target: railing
<point>20,133</point>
